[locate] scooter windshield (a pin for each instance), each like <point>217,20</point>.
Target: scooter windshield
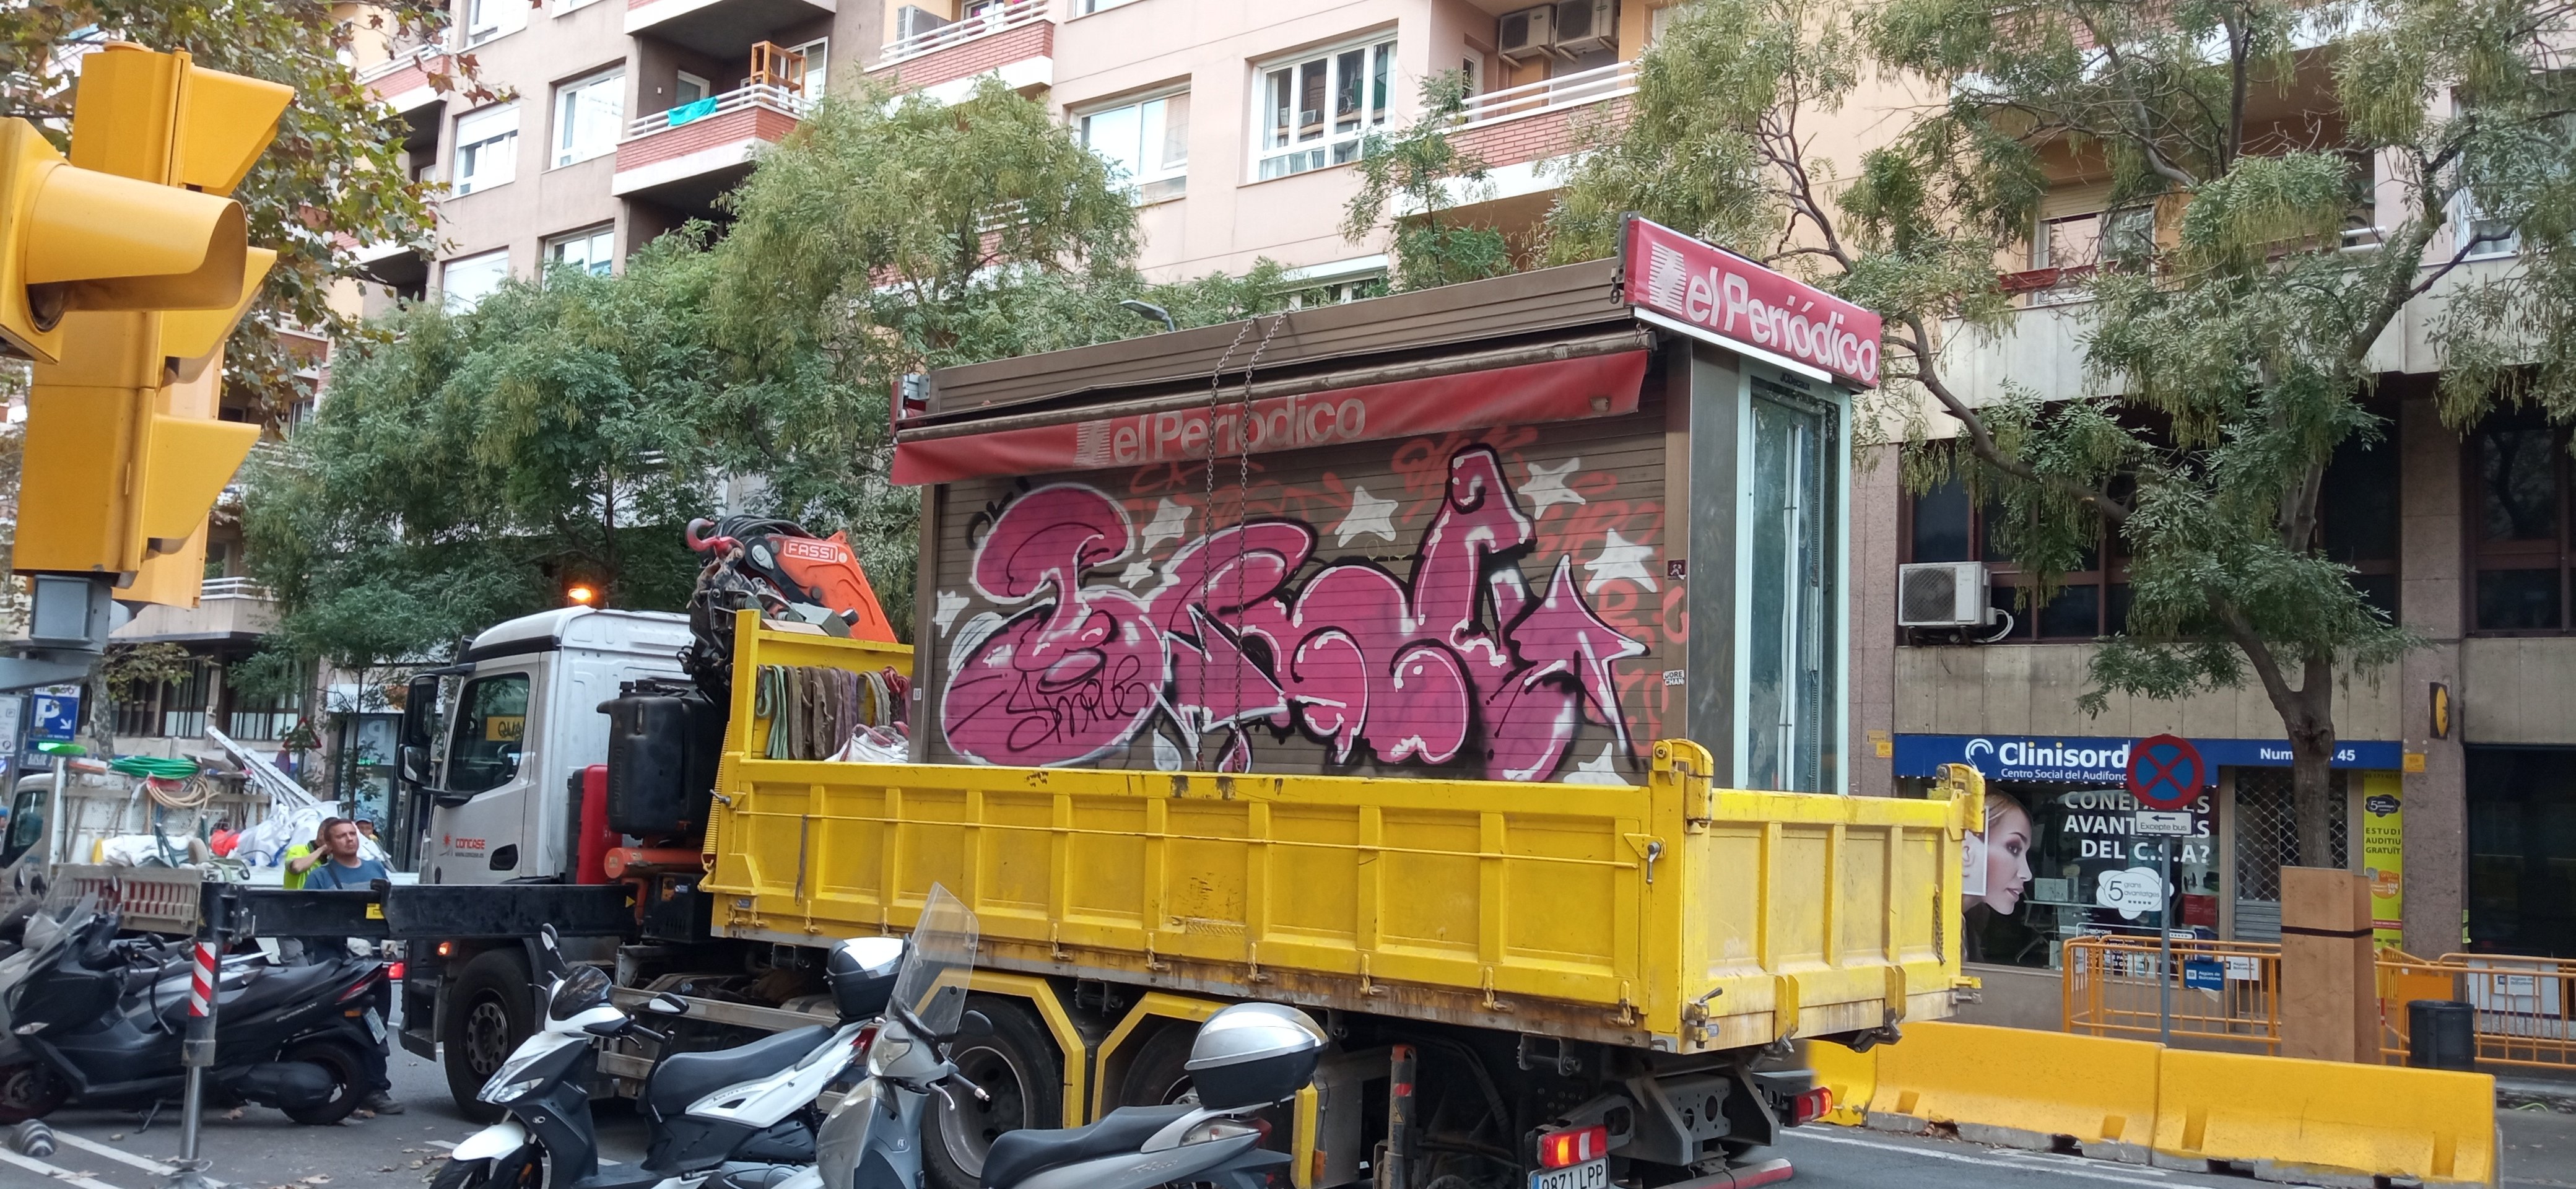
<point>932,983</point>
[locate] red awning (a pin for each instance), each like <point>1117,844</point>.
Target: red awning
<point>1558,390</point>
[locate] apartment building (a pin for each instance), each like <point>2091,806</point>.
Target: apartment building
<point>1232,120</point>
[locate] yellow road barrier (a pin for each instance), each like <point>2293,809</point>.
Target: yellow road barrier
<point>2018,1087</point>
<point>2433,1125</point>
<point>2141,1102</point>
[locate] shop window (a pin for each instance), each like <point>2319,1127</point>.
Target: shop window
<point>2358,527</point>
<point>2518,510</point>
<point>2265,826</point>
<point>2036,873</point>
<point>2522,850</point>
<point>1316,110</point>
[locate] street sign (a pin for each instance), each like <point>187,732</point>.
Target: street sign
<point>13,710</point>
<point>2203,974</point>
<point>2166,772</point>
<point>2163,823</point>
<point>57,714</point>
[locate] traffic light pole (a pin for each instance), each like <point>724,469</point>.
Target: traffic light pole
<point>197,1051</point>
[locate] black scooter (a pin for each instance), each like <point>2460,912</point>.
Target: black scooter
<point>101,1020</point>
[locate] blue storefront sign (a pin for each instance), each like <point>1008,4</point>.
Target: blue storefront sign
<point>2105,759</point>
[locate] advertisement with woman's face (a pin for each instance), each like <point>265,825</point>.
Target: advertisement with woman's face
<point>1998,859</point>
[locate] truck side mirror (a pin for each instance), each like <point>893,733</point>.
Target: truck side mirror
<point>415,763</point>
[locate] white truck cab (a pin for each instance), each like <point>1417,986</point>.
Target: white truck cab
<point>499,740</point>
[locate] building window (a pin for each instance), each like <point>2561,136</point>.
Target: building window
<point>2494,237</point>
<point>1314,111</point>
<point>1147,141</point>
<point>263,716</point>
<point>487,19</point>
<point>487,148</point>
<point>588,116</point>
<point>1339,290</point>
<point>168,709</point>
<point>818,53</point>
<point>1092,6</point>
<point>2358,511</point>
<point>2518,512</point>
<point>593,251</point>
<point>688,89</point>
<point>466,281</point>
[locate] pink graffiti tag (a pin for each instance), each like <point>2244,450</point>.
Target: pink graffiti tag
<point>1461,662</point>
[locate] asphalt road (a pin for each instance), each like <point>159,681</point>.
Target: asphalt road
<point>264,1150</point>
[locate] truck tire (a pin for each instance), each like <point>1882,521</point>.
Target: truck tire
<point>1019,1066</point>
<point>490,1009</point>
<point>1158,1075</point>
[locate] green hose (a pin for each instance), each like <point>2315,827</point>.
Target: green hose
<point>153,766</point>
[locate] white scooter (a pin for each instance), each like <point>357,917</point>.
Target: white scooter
<point>738,1118</point>
<point>1247,1057</point>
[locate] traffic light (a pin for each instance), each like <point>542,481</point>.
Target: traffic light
<point>124,451</point>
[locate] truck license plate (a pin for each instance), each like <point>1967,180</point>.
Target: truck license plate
<point>376,1025</point>
<point>1591,1174</point>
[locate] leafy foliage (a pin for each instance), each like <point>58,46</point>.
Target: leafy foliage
<point>2233,326</point>
<point>1420,173</point>
<point>332,180</point>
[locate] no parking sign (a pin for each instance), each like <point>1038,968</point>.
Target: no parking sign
<point>2166,772</point>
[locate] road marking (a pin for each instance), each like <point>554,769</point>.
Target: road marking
<point>1963,1158</point>
<point>448,1144</point>
<point>148,1165</point>
<point>64,1175</point>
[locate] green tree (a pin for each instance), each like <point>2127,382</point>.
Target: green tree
<point>2235,328</point>
<point>468,467</point>
<point>1409,181</point>
<point>331,181</point>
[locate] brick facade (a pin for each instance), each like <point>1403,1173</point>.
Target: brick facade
<point>1535,137</point>
<point>750,123</point>
<point>971,58</point>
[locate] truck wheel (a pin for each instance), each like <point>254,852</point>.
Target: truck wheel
<point>1019,1066</point>
<point>488,1014</point>
<point>1158,1075</point>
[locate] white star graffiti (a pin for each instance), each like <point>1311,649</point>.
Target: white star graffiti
<point>1171,523</point>
<point>950,603</point>
<point>1546,488</point>
<point>1136,571</point>
<point>1370,517</point>
<point>1620,558</point>
<point>1602,769</point>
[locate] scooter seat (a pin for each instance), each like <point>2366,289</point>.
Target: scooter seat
<point>1018,1155</point>
<point>683,1078</point>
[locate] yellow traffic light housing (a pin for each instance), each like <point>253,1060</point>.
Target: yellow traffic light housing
<point>73,239</point>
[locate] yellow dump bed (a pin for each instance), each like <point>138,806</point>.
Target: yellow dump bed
<point>1672,915</point>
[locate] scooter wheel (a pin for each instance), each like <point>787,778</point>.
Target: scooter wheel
<point>348,1081</point>
<point>523,1169</point>
<point>30,1091</point>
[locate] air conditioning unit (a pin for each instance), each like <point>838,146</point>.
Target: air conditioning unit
<point>1527,35</point>
<point>1943,594</point>
<point>1583,26</point>
<point>911,22</point>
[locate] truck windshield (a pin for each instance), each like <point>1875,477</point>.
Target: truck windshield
<point>491,721</point>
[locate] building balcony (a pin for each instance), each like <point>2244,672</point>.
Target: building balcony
<point>722,29</point>
<point>410,80</point>
<point>686,156</point>
<point>1015,43</point>
<point>1538,121</point>
<point>228,609</point>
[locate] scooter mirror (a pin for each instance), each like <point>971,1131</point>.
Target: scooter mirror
<point>976,1023</point>
<point>668,1004</point>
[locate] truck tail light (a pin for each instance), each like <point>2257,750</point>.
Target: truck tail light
<point>1574,1145</point>
<point>394,972</point>
<point>1810,1105</point>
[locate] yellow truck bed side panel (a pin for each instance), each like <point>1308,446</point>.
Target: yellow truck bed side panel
<point>1671,914</point>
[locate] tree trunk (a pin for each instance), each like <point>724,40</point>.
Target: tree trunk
<point>2312,748</point>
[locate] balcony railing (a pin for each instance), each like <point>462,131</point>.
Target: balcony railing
<point>769,95</point>
<point>1547,95</point>
<point>233,588</point>
<point>410,57</point>
<point>991,21</point>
